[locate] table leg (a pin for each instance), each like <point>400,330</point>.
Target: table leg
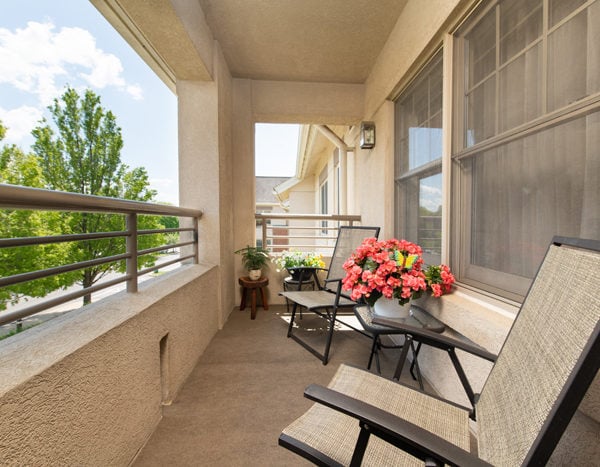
<point>403,355</point>
<point>263,297</point>
<point>243,302</point>
<point>253,314</point>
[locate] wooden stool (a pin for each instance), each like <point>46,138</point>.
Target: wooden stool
<point>248,284</point>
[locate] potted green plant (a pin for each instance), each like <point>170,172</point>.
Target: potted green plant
<point>292,259</point>
<point>254,258</point>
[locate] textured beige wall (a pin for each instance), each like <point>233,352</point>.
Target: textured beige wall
<point>226,184</point>
<point>418,32</point>
<point>85,388</point>
<point>206,176</point>
<point>296,102</point>
<point>243,189</point>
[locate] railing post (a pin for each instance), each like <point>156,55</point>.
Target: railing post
<point>131,249</point>
<point>263,222</point>
<point>196,240</point>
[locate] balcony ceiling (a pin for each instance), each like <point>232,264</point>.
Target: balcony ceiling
<point>335,41</point>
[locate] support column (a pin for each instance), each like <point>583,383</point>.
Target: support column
<point>199,161</point>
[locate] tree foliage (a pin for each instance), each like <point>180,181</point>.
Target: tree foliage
<point>80,152</point>
<point>18,168</point>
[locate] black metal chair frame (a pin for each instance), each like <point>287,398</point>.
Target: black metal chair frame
<point>434,450</point>
<point>333,287</point>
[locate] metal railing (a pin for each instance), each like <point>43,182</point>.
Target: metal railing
<point>34,199</point>
<point>315,232</point>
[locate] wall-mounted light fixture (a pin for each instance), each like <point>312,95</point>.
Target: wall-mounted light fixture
<point>367,135</point>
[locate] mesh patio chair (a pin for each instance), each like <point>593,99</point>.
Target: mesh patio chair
<point>544,369</point>
<point>329,297</point>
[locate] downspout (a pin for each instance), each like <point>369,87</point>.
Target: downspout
<point>343,148</point>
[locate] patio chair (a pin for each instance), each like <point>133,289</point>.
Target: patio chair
<point>544,369</point>
<point>329,297</point>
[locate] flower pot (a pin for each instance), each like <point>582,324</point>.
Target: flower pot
<point>295,274</point>
<point>254,274</point>
<point>390,308</point>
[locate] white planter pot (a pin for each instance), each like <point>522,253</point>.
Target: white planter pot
<point>254,274</point>
<point>390,308</point>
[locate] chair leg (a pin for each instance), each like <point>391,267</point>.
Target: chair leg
<point>415,363</point>
<point>331,319</point>
<point>291,325</point>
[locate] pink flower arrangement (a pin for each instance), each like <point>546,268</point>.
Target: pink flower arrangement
<point>393,269</point>
<point>439,279</point>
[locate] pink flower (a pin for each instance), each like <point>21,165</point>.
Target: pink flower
<point>392,268</point>
<point>437,290</point>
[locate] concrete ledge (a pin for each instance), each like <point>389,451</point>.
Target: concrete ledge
<point>87,388</point>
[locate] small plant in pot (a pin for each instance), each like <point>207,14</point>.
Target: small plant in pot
<point>254,258</point>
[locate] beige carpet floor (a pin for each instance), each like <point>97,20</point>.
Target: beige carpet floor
<point>246,388</point>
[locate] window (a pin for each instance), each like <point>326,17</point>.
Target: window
<point>418,162</point>
<point>527,132</point>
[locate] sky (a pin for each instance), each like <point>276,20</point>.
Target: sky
<point>276,148</point>
<point>46,45</point>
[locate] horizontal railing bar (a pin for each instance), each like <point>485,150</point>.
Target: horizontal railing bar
<point>312,247</point>
<point>164,247</point>
<point>278,237</point>
<point>19,197</point>
<point>24,241</point>
<point>300,227</point>
<point>29,276</point>
<point>332,217</point>
<point>14,197</point>
<point>162,231</point>
<point>10,316</point>
<point>162,265</point>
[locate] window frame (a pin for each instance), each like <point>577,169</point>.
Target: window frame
<point>504,286</point>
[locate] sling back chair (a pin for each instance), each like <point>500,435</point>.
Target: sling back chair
<point>329,297</point>
<point>544,369</point>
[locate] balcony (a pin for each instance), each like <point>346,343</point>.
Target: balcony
<point>123,378</point>
<point>150,376</point>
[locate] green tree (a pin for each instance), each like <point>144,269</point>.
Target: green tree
<point>83,155</point>
<point>18,168</point>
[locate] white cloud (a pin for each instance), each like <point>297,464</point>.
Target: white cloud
<point>38,59</point>
<point>19,122</point>
<point>167,188</point>
<point>135,91</point>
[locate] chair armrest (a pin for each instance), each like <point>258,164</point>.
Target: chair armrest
<point>437,340</point>
<point>403,434</point>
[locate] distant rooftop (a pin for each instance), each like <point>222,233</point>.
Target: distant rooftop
<point>264,189</point>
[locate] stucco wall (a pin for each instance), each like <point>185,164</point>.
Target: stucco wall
<point>226,193</point>
<point>91,379</point>
<point>418,32</point>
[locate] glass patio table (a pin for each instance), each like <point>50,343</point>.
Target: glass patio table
<point>413,327</point>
